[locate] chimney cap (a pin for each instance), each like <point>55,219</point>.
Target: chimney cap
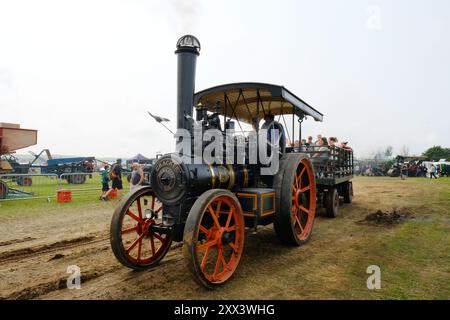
<point>188,42</point>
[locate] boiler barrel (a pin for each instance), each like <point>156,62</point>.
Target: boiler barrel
<point>204,177</point>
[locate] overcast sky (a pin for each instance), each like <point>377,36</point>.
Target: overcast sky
<point>84,72</point>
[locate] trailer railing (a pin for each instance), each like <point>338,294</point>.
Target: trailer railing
<point>329,161</point>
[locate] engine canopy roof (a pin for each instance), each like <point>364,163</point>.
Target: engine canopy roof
<point>247,101</point>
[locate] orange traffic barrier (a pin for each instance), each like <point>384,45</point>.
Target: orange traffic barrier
<point>112,194</point>
<point>63,196</point>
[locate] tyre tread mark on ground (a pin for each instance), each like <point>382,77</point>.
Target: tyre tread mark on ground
<point>14,241</point>
<point>47,287</point>
<point>44,288</point>
<point>47,248</point>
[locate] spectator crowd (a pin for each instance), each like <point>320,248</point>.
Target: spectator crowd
<point>320,145</point>
<point>114,174</point>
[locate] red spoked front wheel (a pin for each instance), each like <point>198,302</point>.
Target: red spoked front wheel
<point>134,240</point>
<point>214,237</point>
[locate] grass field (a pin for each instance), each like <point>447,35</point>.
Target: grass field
<point>44,188</point>
<point>413,256</point>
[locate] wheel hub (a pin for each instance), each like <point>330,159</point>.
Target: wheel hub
<point>145,227</point>
<point>226,237</point>
<point>336,200</point>
<point>222,236</point>
<point>300,198</point>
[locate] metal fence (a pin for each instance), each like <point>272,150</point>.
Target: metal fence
<point>28,186</point>
<point>46,186</point>
<point>80,182</point>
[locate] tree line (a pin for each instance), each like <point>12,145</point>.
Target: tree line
<point>433,153</point>
<point>436,153</point>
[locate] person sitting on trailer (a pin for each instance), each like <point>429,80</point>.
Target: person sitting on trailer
<point>332,141</point>
<point>310,144</point>
<point>303,145</point>
<point>344,145</point>
<point>346,155</point>
<point>297,145</point>
<point>317,142</point>
<point>321,157</point>
<point>322,149</point>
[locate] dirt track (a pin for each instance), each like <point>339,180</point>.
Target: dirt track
<point>35,252</point>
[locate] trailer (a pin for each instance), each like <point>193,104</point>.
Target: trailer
<point>69,167</point>
<point>65,167</point>
<point>333,169</point>
<point>12,138</point>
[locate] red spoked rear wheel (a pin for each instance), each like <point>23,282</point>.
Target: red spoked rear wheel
<point>295,189</point>
<point>303,205</point>
<point>214,237</point>
<point>133,240</point>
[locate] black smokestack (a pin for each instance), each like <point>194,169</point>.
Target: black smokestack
<point>188,48</point>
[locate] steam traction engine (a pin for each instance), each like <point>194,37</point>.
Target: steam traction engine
<point>209,206</point>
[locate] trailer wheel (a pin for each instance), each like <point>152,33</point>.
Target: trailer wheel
<point>348,192</point>
<point>24,181</point>
<point>3,190</point>
<point>332,203</point>
<point>133,241</point>
<point>295,190</point>
<point>214,237</point>
<point>77,179</point>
